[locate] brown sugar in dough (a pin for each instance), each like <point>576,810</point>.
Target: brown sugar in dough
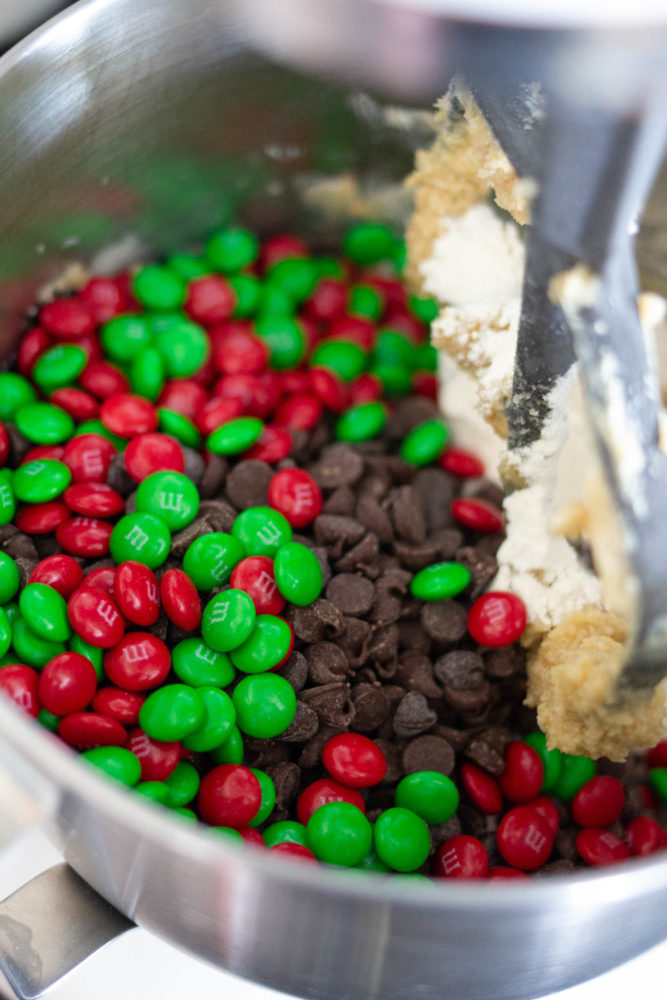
<point>459,170</point>
<point>572,672</point>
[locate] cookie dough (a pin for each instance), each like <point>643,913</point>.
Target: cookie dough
<point>465,254</point>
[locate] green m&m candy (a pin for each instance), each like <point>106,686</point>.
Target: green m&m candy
<point>44,423</point>
<point>265,705</point>
<point>231,751</point>
<point>344,358</point>
<point>9,578</point>
<point>551,759</point>
<point>440,581</point>
<point>284,337</point>
<point>178,426</point>
<point>188,266</point>
<point>182,785</point>
<point>7,497</point>
<point>371,863</point>
<point>31,648</point>
<point>41,480</point>
<point>262,531</point>
<point>183,344</point>
<point>274,302</point>
<point>298,574</point>
<point>159,288</point>
<point>189,814</point>
<point>402,839</point>
<point>147,373</point>
<point>268,643</point>
<point>45,612</point>
<point>196,664</point>
<point>235,436</point>
<point>425,443</point>
<point>396,381</point>
<point>362,422</point>
<point>209,560</point>
<point>172,712</point>
<point>155,791</point>
<point>296,276</point>
<point>116,762</point>
<point>219,717</point>
<point>15,392</point>
<point>285,831</point>
<point>338,833</point>
<point>232,249</point>
<point>393,350</point>
<point>59,366</point>
<point>248,292</point>
<point>424,308</point>
<point>142,537</point>
<point>268,797</point>
<point>227,832</point>
<point>92,653</point>
<point>123,337</point>
<point>429,794</point>
<point>369,243</point>
<point>365,301</point>
<point>575,771</point>
<point>6,632</point>
<point>657,777</point>
<point>171,495</point>
<point>228,620</point>
<point>48,720</point>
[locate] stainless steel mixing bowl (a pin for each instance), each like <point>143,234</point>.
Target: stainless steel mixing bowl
<point>155,119</point>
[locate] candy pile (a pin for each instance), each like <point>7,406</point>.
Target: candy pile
<point>243,571</point>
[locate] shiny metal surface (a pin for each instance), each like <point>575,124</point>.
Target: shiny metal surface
<point>155,119</point>
<point>36,948</point>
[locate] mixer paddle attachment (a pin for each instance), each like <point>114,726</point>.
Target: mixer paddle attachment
<point>595,168</point>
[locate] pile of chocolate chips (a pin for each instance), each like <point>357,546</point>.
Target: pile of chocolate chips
<point>369,657</point>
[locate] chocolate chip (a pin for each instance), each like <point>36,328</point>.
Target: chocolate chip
<point>264,753</point>
<point>332,703</point>
<point>436,490</point>
<point>319,620</point>
<point>449,541</point>
<point>502,663</point>
<point>415,672</point>
<point>19,445</point>
<point>390,590</point>
<point>413,715</point>
<point>361,556</point>
<point>560,867</point>
<point>312,752</point>
<point>371,707</point>
<point>46,546</point>
<point>327,663</point>
<point>413,637</point>
<point>392,754</point>
<point>341,501</point>
<point>482,567</point>
<point>406,514</point>
<point>460,670</point>
<point>304,725</point>
<point>286,778</point>
<point>354,640</point>
<point>470,704</point>
<point>444,621</point>
<point>428,753</point>
<point>351,592</point>
<point>408,414</point>
<point>441,832</point>
<point>213,478</point>
<point>383,643</point>
<point>118,478</point>
<point>489,492</point>
<point>247,484</point>
<point>338,465</point>
<point>295,670</point>
<point>337,533</point>
<point>219,514</point>
<point>457,738</point>
<point>20,546</point>
<point>416,557</point>
<point>181,540</point>
<point>564,844</point>
<point>372,516</point>
<point>194,465</point>
<point>487,750</point>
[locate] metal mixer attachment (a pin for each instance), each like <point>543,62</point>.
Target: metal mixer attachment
<point>594,166</point>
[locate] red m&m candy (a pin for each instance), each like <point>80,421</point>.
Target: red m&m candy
<point>84,536</point>
<point>137,592</point>
<point>149,453</point>
<point>461,857</point>
<point>20,683</point>
<point>255,576</point>
<point>322,791</point>
<point>461,463</point>
<point>296,495</point>
<point>229,795</point>
<point>124,706</point>
<point>354,760</point>
<point>61,572</point>
<point>126,415</point>
<point>95,617</point>
<point>478,515</point>
<point>522,777</point>
<point>599,802</point>
<point>524,838</point>
<point>158,759</point>
<point>482,788</point>
<point>140,661</point>
<point>87,730</point>
<point>88,458</point>
<point>94,500</point>
<point>180,599</point>
<point>598,847</point>
<point>497,618</point>
<point>67,684</point>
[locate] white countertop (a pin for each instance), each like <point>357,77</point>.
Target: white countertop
<point>139,966</point>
